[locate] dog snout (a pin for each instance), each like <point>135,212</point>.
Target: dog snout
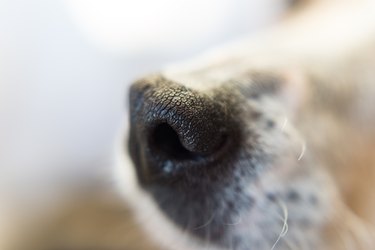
<point>174,127</point>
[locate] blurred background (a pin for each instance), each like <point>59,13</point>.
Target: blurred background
<point>65,66</point>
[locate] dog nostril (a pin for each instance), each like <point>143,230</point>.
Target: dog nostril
<point>176,127</point>
<point>164,140</point>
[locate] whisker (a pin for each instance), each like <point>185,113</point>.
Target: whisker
<point>285,227</point>
<point>302,151</point>
<point>207,223</point>
<point>284,123</point>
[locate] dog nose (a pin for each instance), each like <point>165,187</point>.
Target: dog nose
<point>173,126</point>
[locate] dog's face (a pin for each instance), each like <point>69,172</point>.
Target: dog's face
<point>225,164</point>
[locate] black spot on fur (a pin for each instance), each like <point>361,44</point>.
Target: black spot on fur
<point>271,197</point>
<point>270,124</point>
<point>230,205</point>
<point>293,196</point>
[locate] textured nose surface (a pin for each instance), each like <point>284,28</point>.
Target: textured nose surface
<point>194,119</point>
<point>175,123</point>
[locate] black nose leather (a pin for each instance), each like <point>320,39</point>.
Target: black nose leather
<point>173,126</point>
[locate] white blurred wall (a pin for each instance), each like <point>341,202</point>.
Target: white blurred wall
<point>64,68</point>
